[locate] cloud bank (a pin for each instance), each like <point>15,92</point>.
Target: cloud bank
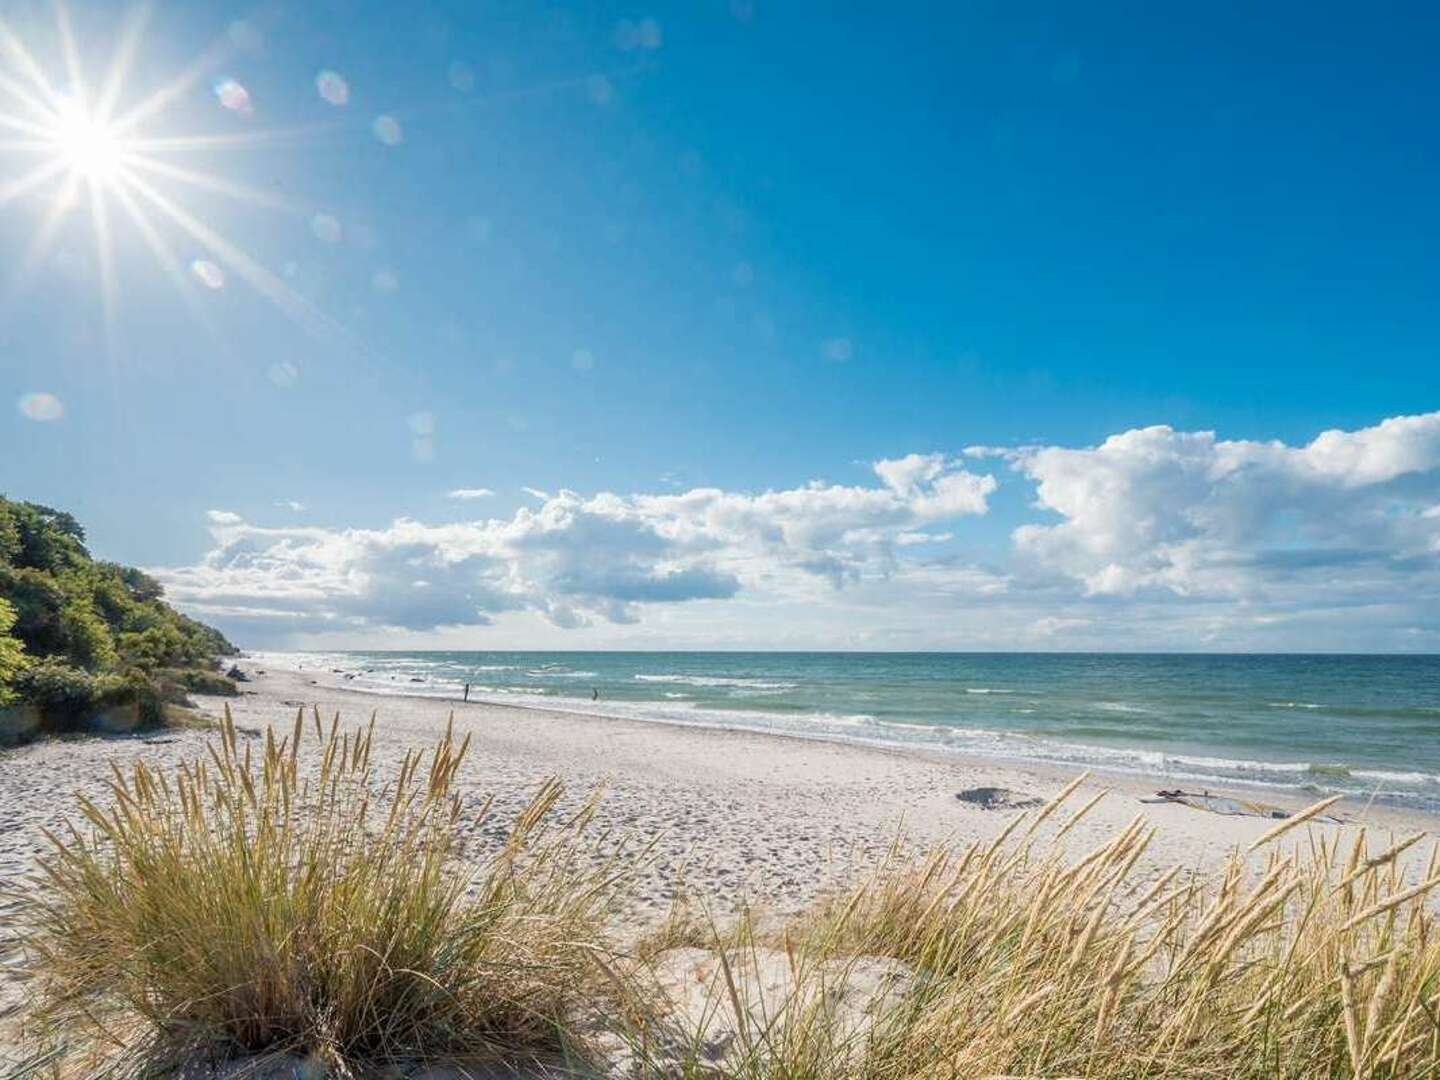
<point>1155,538</point>
<point>574,560</point>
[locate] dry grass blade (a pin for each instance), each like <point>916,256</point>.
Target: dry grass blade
<point>254,903</point>
<point>1294,820</point>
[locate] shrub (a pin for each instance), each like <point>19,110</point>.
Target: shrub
<point>69,693</point>
<point>200,681</point>
<point>70,699</point>
<point>12,654</point>
<point>284,901</point>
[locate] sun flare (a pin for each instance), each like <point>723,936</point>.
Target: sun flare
<point>91,148</point>
<point>69,130</point>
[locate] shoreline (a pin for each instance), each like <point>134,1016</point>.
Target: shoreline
<point>961,763</point>
<point>1134,779</point>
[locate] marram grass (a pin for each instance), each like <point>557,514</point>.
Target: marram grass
<point>1316,962</point>
<point>290,900</point>
<point>294,902</point>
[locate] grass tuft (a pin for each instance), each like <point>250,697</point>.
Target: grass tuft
<point>1320,962</point>
<point>282,898</point>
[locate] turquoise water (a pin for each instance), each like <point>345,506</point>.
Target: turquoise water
<point>1365,725</point>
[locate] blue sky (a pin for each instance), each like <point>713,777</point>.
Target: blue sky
<point>745,247</point>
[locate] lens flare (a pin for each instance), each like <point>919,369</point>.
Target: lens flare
<point>75,141</point>
<point>209,275</point>
<point>41,407</point>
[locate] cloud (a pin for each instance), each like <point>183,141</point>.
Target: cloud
<point>576,560</point>
<point>1187,513</point>
<point>290,504</point>
<point>469,493</point>
<point>1154,538</point>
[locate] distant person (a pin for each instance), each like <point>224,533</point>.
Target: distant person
<point>594,694</point>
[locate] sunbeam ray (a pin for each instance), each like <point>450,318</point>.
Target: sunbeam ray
<point>31,180</point>
<point>28,145</point>
<point>12,45</point>
<point>79,91</point>
<point>17,91</point>
<point>15,123</point>
<point>243,192</point>
<point>121,62</point>
<point>164,254</point>
<point>105,261</point>
<point>294,305</point>
<point>171,91</point>
<point>237,140</point>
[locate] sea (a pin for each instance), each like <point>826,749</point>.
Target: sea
<point>1366,726</point>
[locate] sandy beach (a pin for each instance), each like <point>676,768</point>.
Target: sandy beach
<point>738,815</point>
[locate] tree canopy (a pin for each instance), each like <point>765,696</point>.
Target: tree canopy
<point>77,633</point>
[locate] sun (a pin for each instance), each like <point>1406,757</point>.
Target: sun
<point>92,149</point>
<point>67,130</point>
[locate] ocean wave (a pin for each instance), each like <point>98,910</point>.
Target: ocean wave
<point>1417,779</point>
<point>1135,744</point>
<point>719,680</point>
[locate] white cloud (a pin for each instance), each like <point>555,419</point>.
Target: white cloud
<point>469,493</point>
<point>290,504</point>
<point>1048,626</point>
<point>1152,539</point>
<point>906,474</point>
<point>573,559</point>
<point>909,539</point>
<point>1194,515</point>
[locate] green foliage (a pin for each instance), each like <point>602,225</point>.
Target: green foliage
<point>196,681</point>
<point>87,638</point>
<point>12,651</point>
<point>78,637</point>
<point>60,688</point>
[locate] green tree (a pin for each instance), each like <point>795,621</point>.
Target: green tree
<point>87,638</point>
<point>11,544</point>
<point>12,653</point>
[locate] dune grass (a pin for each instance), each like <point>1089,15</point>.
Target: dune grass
<point>290,901</point>
<point>1320,961</point>
<point>252,905</point>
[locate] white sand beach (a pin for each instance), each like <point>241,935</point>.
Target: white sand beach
<point>738,815</point>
